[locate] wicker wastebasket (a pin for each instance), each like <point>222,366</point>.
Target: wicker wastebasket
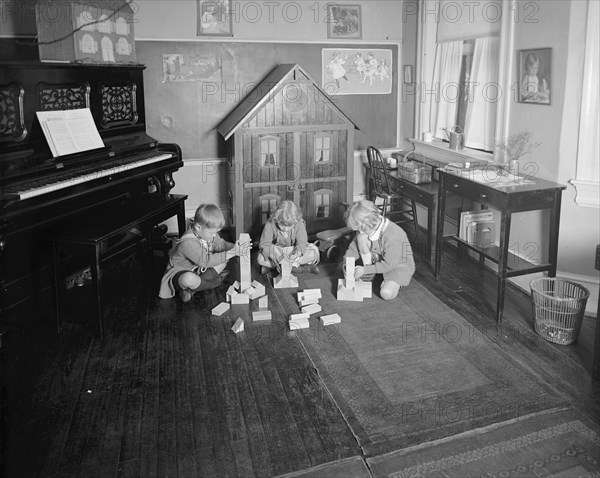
<point>558,306</point>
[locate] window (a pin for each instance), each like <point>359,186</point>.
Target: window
<point>322,148</point>
<point>322,203</point>
<point>268,151</point>
<point>268,203</point>
<point>465,73</point>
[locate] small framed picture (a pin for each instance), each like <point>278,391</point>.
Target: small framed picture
<point>407,71</point>
<point>344,21</point>
<point>535,76</point>
<point>214,18</point>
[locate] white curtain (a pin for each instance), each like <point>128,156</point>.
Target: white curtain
<point>446,77</point>
<point>484,95</point>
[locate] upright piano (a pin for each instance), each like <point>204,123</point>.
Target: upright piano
<point>39,193</point>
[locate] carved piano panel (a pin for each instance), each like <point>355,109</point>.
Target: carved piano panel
<point>12,122</point>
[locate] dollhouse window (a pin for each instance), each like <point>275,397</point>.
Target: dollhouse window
<point>123,47</point>
<point>104,26</point>
<point>87,44</point>
<point>322,203</point>
<point>121,26</point>
<point>268,151</point>
<point>83,21</point>
<point>268,203</point>
<point>322,148</point>
<point>108,53</point>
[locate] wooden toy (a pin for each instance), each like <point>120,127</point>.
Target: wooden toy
<point>245,244</point>
<point>334,242</point>
<point>285,279</point>
<point>259,315</point>
<point>240,299</point>
<point>259,290</point>
<point>238,326</point>
<point>221,308</point>
<point>331,319</point>
<point>309,294</point>
<point>230,292</point>
<point>308,301</point>
<point>299,321</point>
<point>263,302</point>
<point>311,309</point>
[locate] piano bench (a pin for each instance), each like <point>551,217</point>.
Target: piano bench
<point>84,249</point>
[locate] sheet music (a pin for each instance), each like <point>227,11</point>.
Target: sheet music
<point>70,131</point>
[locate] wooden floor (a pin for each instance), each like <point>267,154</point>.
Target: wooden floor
<point>170,391</point>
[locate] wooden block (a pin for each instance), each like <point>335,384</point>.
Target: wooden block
<point>259,315</point>
<point>331,319</point>
<point>349,273</point>
<point>345,293</point>
<point>259,290</point>
<point>221,308</point>
<point>310,294</point>
<point>281,282</point>
<point>263,302</point>
<point>299,321</point>
<point>308,302</point>
<point>240,299</point>
<point>365,288</point>
<point>238,326</point>
<point>245,243</point>
<point>236,286</point>
<point>230,292</point>
<point>312,309</point>
<point>249,291</point>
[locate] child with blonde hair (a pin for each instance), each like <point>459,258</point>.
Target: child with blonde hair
<point>382,247</point>
<point>284,237</point>
<point>199,258</point>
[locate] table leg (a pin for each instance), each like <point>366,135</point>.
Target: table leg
<point>553,233</point>
<point>181,219</point>
<point>502,261</point>
<point>440,224</point>
<point>432,229</point>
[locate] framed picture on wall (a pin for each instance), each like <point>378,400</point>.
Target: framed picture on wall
<point>214,18</point>
<point>535,75</point>
<point>344,21</point>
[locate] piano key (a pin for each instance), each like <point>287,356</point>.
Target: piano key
<point>62,181</point>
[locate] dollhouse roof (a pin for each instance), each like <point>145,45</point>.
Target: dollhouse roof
<point>263,93</point>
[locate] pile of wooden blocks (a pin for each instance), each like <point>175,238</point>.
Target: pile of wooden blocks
<point>242,291</point>
<point>309,304</point>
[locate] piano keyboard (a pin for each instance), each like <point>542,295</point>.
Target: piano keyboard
<point>72,178</point>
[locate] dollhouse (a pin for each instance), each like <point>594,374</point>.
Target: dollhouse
<point>288,140</point>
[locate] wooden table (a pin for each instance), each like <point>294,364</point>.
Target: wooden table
<point>538,194</point>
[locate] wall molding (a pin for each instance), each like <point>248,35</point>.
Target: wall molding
<point>588,193</point>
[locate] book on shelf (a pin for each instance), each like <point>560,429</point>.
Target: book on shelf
<point>69,131</point>
<point>477,227</point>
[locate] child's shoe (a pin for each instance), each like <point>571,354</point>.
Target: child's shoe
<point>185,295</point>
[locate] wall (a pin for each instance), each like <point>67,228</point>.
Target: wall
<point>560,25</point>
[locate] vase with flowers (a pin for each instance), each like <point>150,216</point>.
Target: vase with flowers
<point>515,147</point>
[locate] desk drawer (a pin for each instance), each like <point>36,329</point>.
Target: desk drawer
<point>476,192</point>
<point>412,192</point>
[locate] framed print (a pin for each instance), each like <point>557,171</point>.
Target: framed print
<point>214,18</point>
<point>344,21</point>
<point>356,71</point>
<point>407,72</point>
<point>535,75</point>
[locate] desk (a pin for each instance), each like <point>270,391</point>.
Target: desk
<point>425,194</point>
<point>104,237</point>
<point>508,199</point>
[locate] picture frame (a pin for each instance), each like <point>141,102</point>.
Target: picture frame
<point>534,76</point>
<point>344,22</point>
<point>407,74</point>
<point>214,18</point>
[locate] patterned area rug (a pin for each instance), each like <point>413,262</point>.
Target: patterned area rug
<point>412,370</point>
<point>557,444</point>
